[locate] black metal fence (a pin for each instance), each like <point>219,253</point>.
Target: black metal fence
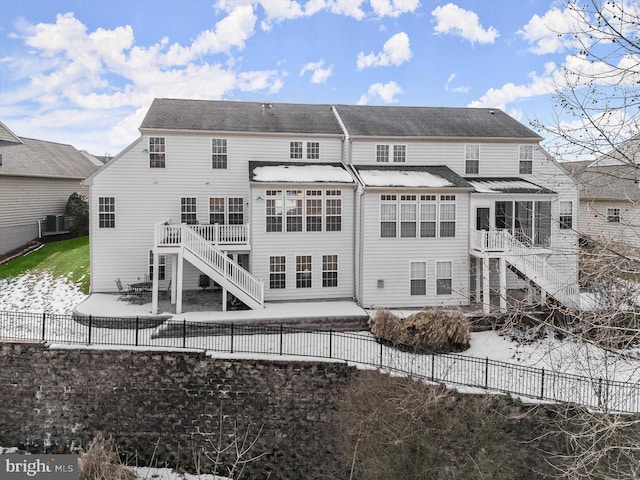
<point>359,348</point>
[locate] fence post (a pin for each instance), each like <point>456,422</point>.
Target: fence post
<point>44,320</point>
<point>137,326</point>
<point>433,366</point>
<point>231,348</point>
<point>90,322</point>
<point>281,339</point>
<point>184,333</point>
<point>486,373</point>
<point>542,384</point>
<point>330,343</point>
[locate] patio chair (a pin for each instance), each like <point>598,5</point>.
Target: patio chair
<point>124,294</point>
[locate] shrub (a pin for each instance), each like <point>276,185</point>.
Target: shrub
<point>100,461</point>
<point>78,208</point>
<point>428,331</point>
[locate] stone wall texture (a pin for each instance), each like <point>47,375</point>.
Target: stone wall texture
<point>167,407</point>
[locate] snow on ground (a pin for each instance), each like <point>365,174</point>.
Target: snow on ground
<point>39,293</point>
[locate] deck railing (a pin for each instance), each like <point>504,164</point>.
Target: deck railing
<point>171,235</point>
<point>597,390</point>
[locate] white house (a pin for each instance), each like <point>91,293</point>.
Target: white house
<point>389,206</point>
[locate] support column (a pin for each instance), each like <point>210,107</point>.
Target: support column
<point>486,296</point>
<point>502,265</point>
<point>154,288</point>
<point>179,283</point>
<point>478,279</point>
<point>174,278</point>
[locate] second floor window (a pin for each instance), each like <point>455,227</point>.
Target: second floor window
<point>526,159</point>
<point>613,215</point>
<point>226,211</point>
<point>399,153</point>
<point>417,216</point>
<point>106,212</point>
<point>294,210</point>
<point>188,212</point>
<point>472,159</point>
<point>566,215</point>
<point>156,152</point>
<point>447,216</point>
<point>313,150</point>
<point>219,153</point>
<point>295,150</point>
<point>382,153</point>
<point>274,211</point>
<point>304,210</point>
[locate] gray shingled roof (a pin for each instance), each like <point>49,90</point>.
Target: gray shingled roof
<point>393,121</point>
<point>38,158</point>
<point>612,182</point>
<point>225,116</point>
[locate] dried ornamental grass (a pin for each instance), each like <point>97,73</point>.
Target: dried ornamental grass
<point>100,461</point>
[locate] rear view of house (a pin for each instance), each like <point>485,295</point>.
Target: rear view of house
<point>389,206</point>
<point>36,180</point>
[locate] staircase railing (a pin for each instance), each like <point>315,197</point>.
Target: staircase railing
<point>223,265</point>
<point>535,267</point>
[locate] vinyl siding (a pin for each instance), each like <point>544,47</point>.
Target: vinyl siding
<point>593,222</point>
<point>290,244</point>
<point>389,259</point>
<point>145,196</point>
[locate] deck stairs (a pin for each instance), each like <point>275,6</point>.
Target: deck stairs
<point>527,263</point>
<point>210,260</point>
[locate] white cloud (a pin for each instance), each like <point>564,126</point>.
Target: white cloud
<point>395,51</point>
<point>453,20</point>
<point>508,93</point>
<point>386,92</point>
<point>548,33</point>
<point>320,74</point>
<point>456,89</point>
<point>393,8</point>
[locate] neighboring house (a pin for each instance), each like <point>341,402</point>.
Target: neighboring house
<point>390,206</point>
<point>36,180</point>
<point>610,196</point>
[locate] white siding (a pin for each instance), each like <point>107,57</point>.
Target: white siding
<point>145,196</point>
<point>388,259</point>
<point>291,244</point>
<point>593,222</point>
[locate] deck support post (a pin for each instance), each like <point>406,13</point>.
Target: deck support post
<point>179,282</point>
<point>502,265</point>
<point>486,295</point>
<point>478,279</point>
<point>154,287</point>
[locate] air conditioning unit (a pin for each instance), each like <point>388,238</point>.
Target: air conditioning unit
<point>55,223</point>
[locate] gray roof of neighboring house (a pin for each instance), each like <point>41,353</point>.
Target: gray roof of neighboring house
<point>38,158</point>
<point>606,182</point>
<point>393,121</point>
<point>227,116</point>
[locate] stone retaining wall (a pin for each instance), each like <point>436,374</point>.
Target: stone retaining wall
<point>164,407</point>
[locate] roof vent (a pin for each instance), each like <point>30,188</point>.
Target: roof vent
<point>267,105</point>
<point>492,112</point>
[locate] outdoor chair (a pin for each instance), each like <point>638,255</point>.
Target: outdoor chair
<point>124,294</point>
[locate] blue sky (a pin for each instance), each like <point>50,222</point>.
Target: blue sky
<point>85,71</point>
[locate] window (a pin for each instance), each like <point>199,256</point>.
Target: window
<point>444,278</point>
<point>219,153</point>
<point>566,215</point>
<point>472,159</point>
<point>526,159</point>
<point>418,278</point>
<point>399,153</point>
<point>447,216</point>
<point>236,211</point>
<point>226,211</point>
<point>428,216</point>
<point>504,215</point>
<point>408,216</point>
<point>274,210</point>
<point>216,211</point>
<point>294,210</point>
<point>613,215</point>
<point>388,216</point>
<point>162,266</point>
<point>156,152</point>
<point>277,272</point>
<point>313,150</point>
<point>329,270</point>
<point>333,211</point>
<point>303,271</point>
<point>295,150</point>
<point>314,210</point>
<point>106,212</point>
<point>188,210</point>
<point>382,153</point>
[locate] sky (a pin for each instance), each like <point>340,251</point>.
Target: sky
<point>84,72</point>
